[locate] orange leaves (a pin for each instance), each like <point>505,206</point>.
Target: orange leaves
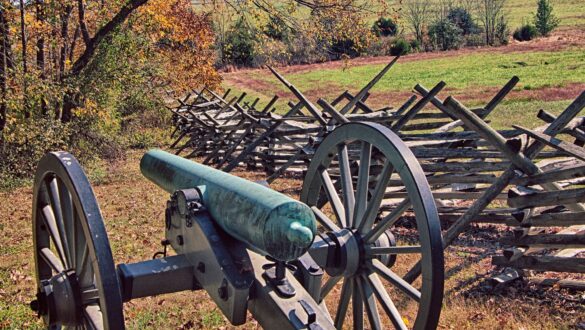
<point>183,41</point>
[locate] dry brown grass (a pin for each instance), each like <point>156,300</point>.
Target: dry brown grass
<point>133,210</point>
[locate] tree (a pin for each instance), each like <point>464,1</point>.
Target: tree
<point>5,64</point>
<point>241,43</point>
<point>491,15</point>
<point>445,35</point>
<point>544,19</point>
<point>71,98</point>
<point>462,18</point>
<point>384,27</point>
<point>416,13</point>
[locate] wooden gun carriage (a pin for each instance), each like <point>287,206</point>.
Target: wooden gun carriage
<point>328,260</point>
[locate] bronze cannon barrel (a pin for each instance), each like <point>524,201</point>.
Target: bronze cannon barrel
<point>267,221</point>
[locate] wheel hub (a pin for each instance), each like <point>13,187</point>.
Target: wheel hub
<point>349,252</point>
<point>59,299</point>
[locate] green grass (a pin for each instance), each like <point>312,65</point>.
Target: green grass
<point>537,69</point>
<point>523,112</point>
<point>570,12</point>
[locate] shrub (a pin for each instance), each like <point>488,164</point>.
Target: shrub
<point>26,144</point>
<point>474,40</point>
<point>400,47</point>
<point>415,45</point>
<point>525,32</point>
<point>343,47</point>
<point>544,20</point>
<point>384,27</point>
<point>379,47</point>
<point>304,49</point>
<point>502,31</point>
<point>462,18</point>
<point>240,42</point>
<point>445,35</point>
<point>277,29</point>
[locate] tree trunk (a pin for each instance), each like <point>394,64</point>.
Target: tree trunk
<point>73,99</point>
<point>4,42</point>
<point>24,62</point>
<point>41,50</point>
<point>65,38</point>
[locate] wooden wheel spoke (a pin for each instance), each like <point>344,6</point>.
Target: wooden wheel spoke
<point>369,216</point>
<point>67,209</point>
<point>370,302</point>
<point>329,285</point>
<point>374,250</point>
<point>324,220</point>
<point>333,198</point>
<point>387,222</point>
<point>346,292</point>
<point>93,316</point>
<point>51,260</point>
<point>362,183</point>
<point>55,200</point>
<point>385,301</point>
<point>85,272</point>
<point>395,280</point>
<point>51,224</point>
<point>346,183</point>
<point>357,306</point>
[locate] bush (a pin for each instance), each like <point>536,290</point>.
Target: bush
<point>415,45</point>
<point>445,35</point>
<point>400,47</point>
<point>525,33</point>
<point>474,40</point>
<point>341,48</point>
<point>384,27</point>
<point>277,29</point>
<point>502,32</point>
<point>240,44</point>
<point>462,18</point>
<point>304,49</point>
<point>544,20</point>
<point>24,145</point>
<point>379,47</point>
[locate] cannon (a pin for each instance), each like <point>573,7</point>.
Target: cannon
<point>334,259</point>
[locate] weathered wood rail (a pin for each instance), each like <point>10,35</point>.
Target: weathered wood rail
<point>474,170</point>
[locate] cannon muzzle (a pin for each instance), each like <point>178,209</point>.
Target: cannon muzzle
<point>267,221</point>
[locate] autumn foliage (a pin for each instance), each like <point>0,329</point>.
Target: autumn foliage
<point>77,74</point>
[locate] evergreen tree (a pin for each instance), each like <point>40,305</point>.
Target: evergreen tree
<point>544,20</point>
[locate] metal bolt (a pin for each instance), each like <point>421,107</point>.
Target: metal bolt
<point>223,290</point>
<point>201,267</point>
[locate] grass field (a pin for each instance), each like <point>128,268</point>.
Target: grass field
<point>133,210</point>
<point>570,12</point>
<point>470,71</point>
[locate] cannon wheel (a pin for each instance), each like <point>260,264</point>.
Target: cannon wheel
<point>352,171</point>
<point>77,280</point>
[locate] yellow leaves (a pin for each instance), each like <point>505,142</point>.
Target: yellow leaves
<point>184,39</point>
<point>90,109</point>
